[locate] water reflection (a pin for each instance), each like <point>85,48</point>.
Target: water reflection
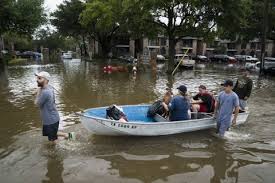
<point>191,157</point>
<point>54,168</point>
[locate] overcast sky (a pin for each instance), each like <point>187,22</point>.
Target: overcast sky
<point>52,4</point>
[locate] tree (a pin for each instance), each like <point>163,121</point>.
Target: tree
<point>66,20</point>
<point>21,16</point>
<point>53,40</point>
<point>179,18</point>
<point>104,20</point>
<point>6,15</point>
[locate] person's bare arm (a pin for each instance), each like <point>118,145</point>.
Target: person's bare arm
<point>165,106</point>
<point>217,106</point>
<point>38,92</point>
<point>236,113</point>
<point>196,101</point>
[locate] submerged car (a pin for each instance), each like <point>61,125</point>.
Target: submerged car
<point>201,58</point>
<point>269,65</point>
<point>186,61</point>
<point>160,58</point>
<point>223,59</point>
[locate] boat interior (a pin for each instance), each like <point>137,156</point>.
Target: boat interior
<point>138,113</point>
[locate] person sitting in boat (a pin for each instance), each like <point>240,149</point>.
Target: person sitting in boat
<point>158,106</point>
<point>179,105</point>
<point>203,101</point>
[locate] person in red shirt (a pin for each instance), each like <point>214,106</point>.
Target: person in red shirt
<point>203,101</point>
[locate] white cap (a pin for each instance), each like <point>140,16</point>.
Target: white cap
<point>44,74</point>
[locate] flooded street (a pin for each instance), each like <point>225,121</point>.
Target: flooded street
<point>248,154</point>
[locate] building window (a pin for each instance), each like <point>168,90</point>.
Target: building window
<point>153,42</point>
<point>187,43</point>
<point>231,46</point>
<point>163,51</point>
<point>253,45</point>
<point>162,41</point>
<point>243,46</point>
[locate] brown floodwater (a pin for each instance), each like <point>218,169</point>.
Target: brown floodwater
<point>246,155</point>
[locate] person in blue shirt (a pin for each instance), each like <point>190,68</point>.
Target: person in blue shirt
<point>226,103</point>
<point>179,105</point>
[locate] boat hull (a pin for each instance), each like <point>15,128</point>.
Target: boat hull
<point>101,126</point>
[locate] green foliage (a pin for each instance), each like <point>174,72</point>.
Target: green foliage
<point>21,42</point>
<point>103,20</point>
<point>246,22</point>
<point>21,16</point>
<point>53,40</point>
<point>16,61</point>
<point>6,15</point>
<point>66,18</point>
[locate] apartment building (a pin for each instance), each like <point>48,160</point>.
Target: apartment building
<point>195,46</point>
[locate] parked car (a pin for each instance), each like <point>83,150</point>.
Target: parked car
<point>269,65</point>
<point>187,61</point>
<point>160,58</point>
<point>223,59</point>
<point>67,55</point>
<point>254,67</point>
<point>201,58</point>
<point>240,58</point>
<point>29,54</point>
<point>246,58</point>
<point>4,52</point>
<point>128,58</point>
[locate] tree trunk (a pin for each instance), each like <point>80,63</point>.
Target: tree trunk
<point>263,39</point>
<point>106,47</point>
<point>171,62</point>
<point>84,46</point>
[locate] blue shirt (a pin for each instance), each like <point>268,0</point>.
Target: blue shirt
<point>227,103</point>
<point>178,108</point>
<point>46,103</point>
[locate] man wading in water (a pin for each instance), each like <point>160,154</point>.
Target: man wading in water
<point>45,100</point>
<point>226,103</point>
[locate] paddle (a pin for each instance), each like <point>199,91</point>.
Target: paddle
<point>180,62</point>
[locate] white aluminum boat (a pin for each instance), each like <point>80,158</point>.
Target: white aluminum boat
<point>139,124</point>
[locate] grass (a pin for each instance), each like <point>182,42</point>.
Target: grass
<point>17,61</point>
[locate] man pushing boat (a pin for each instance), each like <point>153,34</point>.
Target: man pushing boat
<point>227,102</point>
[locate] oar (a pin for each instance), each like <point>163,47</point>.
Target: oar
<point>180,62</point>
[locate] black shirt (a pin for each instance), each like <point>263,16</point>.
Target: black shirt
<point>243,87</point>
<point>207,99</point>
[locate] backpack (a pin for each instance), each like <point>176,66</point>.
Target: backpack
<point>155,108</point>
<point>115,113</point>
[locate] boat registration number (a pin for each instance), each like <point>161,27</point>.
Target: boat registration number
<point>123,125</point>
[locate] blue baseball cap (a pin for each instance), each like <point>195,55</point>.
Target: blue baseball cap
<point>182,88</point>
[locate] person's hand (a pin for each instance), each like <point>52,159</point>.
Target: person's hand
<point>38,91</point>
<point>245,98</point>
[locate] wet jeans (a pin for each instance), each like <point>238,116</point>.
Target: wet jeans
<point>222,127</point>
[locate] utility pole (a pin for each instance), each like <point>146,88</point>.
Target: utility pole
<point>264,30</point>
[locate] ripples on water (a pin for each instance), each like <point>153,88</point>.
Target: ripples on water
<point>247,154</point>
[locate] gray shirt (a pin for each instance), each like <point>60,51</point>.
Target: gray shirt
<point>46,103</point>
<point>227,103</point>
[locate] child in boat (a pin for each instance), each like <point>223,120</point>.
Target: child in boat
<point>158,106</point>
<point>226,102</point>
<point>179,105</point>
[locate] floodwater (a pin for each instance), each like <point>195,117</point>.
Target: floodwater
<point>246,155</point>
